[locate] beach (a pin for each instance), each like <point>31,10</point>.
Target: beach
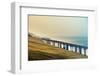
<point>38,50</point>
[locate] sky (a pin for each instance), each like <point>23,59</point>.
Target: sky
<point>58,26</point>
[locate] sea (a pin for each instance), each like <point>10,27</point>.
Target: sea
<point>76,40</point>
<point>83,41</point>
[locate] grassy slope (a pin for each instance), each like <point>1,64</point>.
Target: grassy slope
<point>38,50</point>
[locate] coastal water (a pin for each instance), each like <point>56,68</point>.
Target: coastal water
<point>77,40</point>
